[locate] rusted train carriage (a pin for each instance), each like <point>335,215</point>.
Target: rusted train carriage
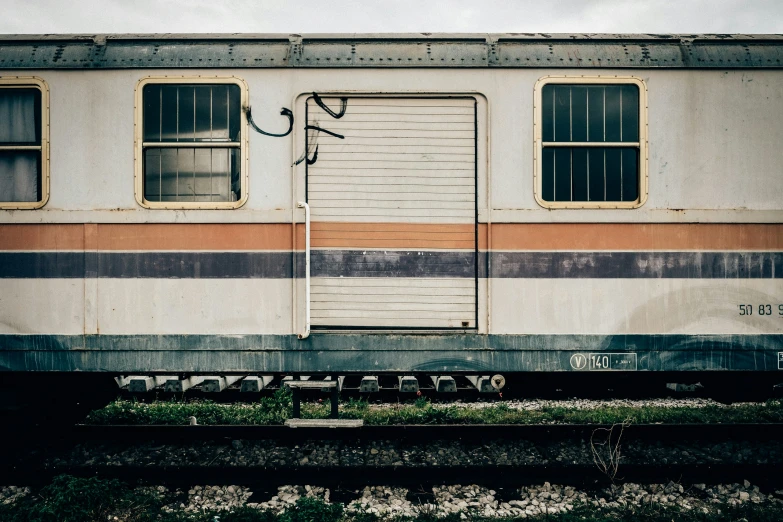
<point>443,203</point>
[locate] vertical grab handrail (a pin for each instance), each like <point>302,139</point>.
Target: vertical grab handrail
<point>306,332</point>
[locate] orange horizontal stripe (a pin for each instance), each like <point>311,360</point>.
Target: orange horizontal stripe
<point>42,237</point>
<point>228,236</point>
<point>440,236</point>
<point>483,239</point>
<point>632,236</point>
<point>154,236</point>
<point>391,227</point>
<point>504,236</point>
<point>393,244</point>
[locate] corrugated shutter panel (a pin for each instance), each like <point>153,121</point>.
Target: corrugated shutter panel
<point>410,160</point>
<point>393,214</point>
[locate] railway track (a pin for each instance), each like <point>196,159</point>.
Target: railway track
<point>174,433</point>
<point>493,455</point>
<point>269,477</point>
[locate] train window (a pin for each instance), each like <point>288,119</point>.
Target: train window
<point>591,142</point>
<point>24,143</point>
<point>191,143</point>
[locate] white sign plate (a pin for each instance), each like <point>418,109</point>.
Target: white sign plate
<point>608,361</point>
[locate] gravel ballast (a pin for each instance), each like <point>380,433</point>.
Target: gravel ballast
<point>470,500</point>
<point>481,501</point>
<point>9,494</point>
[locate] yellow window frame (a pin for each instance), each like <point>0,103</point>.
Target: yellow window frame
<point>27,82</point>
<point>139,144</point>
<point>538,148</point>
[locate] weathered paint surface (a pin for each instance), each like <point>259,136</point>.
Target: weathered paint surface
<point>392,263</point>
<point>709,131</point>
<point>93,282</point>
<point>373,353</point>
<point>636,306</point>
<point>392,51</point>
<point>126,282</point>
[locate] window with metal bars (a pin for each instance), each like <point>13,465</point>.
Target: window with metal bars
<point>192,146</point>
<point>23,143</point>
<point>591,143</point>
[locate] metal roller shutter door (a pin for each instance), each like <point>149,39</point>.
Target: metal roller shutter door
<point>393,209</point>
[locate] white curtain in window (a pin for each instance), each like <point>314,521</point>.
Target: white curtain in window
<point>19,176</point>
<point>17,116</point>
<point>18,169</point>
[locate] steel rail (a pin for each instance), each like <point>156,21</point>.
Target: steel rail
<point>764,475</point>
<point>424,432</point>
<point>34,467</point>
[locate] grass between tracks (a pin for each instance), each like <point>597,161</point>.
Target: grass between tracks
<point>70,499</point>
<point>276,409</point>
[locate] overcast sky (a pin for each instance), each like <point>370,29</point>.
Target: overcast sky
<point>349,16</point>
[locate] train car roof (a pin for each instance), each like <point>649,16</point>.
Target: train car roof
<point>428,50</point>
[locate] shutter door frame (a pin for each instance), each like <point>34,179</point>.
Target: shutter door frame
<point>475,201</point>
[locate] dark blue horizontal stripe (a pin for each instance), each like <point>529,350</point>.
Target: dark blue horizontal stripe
<point>368,263</point>
<point>195,265</point>
<point>375,263</point>
<point>28,265</point>
<point>390,353</point>
<point>630,265</point>
<point>157,265</point>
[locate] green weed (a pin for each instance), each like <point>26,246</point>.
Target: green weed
<point>275,409</point>
<point>310,509</point>
<point>72,499</point>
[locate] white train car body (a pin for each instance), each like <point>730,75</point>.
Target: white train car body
<point>440,238</point>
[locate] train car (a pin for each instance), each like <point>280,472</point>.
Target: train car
<point>364,204</point>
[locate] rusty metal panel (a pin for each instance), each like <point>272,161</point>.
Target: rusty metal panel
<point>391,53</point>
<point>378,50</point>
<point>44,55</point>
<point>336,53</point>
<point>619,53</point>
<point>389,353</point>
<point>721,54</point>
<point>167,54</point>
